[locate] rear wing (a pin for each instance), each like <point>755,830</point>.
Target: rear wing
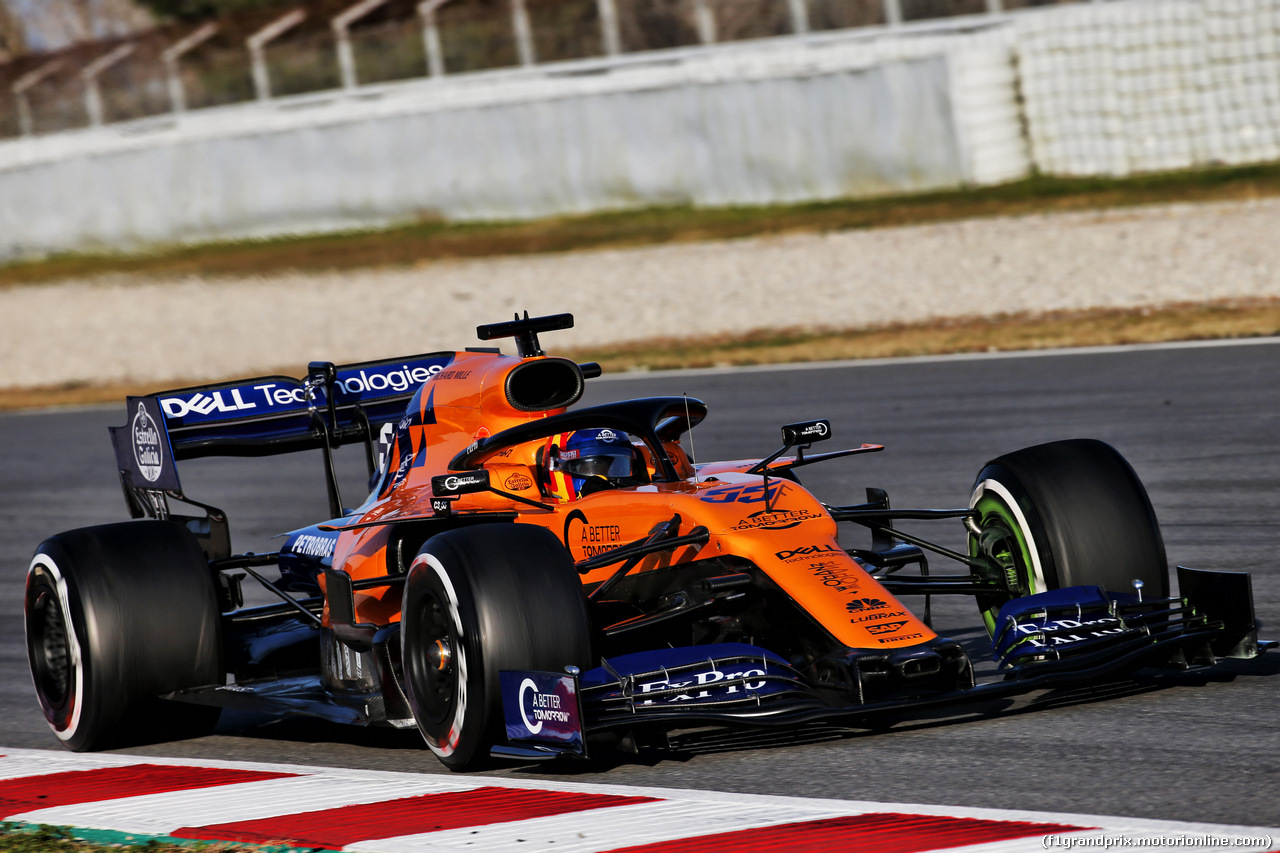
<point>334,405</point>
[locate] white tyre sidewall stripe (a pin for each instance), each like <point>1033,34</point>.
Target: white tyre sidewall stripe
<point>1006,497</point>
<point>459,654</point>
<point>73,643</point>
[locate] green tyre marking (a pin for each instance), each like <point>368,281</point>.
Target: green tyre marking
<point>991,506</point>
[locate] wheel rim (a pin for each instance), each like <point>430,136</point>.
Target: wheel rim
<point>1004,541</point>
<point>436,666</point>
<point>49,648</point>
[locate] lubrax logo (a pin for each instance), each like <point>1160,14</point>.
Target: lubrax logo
<point>807,551</point>
<point>877,616</point>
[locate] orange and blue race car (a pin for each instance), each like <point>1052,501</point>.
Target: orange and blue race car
<point>529,580</point>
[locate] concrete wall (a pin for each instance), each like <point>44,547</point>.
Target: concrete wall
<point>1111,89</point>
<point>780,122</point>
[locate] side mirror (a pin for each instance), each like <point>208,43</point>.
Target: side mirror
<point>464,483</point>
<point>446,488</point>
<point>800,434</point>
<point>806,432</point>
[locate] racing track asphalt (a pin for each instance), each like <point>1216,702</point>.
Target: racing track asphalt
<point>1201,425</point>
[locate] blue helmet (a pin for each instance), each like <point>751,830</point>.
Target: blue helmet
<point>601,455</point>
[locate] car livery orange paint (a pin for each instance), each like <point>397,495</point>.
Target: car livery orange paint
<point>775,524</point>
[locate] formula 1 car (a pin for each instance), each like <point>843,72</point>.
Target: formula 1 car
<point>527,580</point>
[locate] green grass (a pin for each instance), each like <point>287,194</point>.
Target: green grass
<point>42,838</point>
<point>434,240</point>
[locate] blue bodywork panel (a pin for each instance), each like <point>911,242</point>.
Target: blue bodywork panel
<point>304,556</point>
<point>1060,620</point>
<point>542,708</point>
<point>274,413</point>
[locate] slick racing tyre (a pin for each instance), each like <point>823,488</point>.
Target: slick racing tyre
<point>1067,513</point>
<point>479,600</point>
<point>117,616</point>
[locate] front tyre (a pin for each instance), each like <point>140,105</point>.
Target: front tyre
<point>1067,513</point>
<point>479,600</point>
<point>116,616</point>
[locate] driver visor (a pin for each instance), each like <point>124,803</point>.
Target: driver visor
<point>601,463</point>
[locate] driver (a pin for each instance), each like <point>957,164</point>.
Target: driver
<point>589,460</point>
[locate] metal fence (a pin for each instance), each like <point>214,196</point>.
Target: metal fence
<point>377,41</point>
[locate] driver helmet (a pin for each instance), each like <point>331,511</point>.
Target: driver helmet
<point>588,460</point>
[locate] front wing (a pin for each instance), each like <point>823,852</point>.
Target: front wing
<point>1061,638</point>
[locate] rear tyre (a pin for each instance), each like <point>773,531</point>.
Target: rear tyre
<point>1067,513</point>
<point>116,616</point>
<point>479,600</point>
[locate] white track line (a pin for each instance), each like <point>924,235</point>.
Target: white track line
<point>941,359</point>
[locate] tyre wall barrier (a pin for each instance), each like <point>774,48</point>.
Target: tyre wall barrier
<point>1151,86</point>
